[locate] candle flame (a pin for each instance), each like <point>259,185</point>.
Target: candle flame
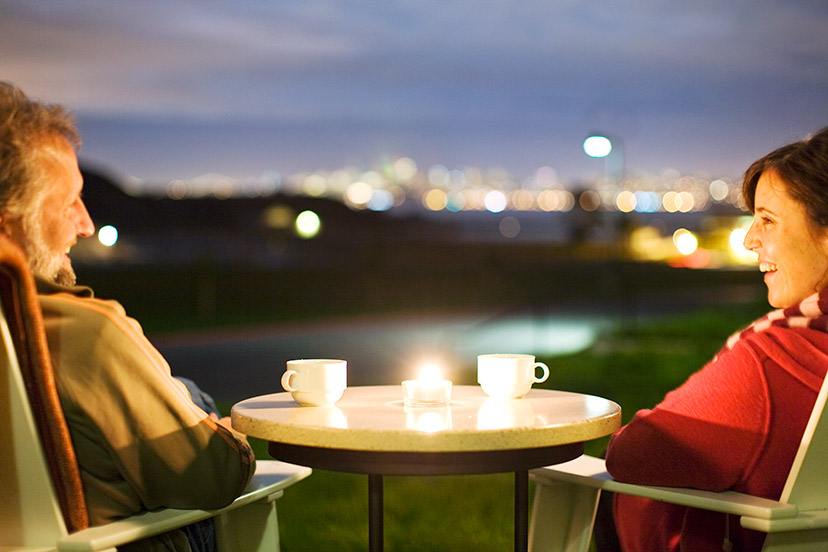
<point>430,372</point>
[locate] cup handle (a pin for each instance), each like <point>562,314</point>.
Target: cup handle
<point>545,369</point>
<point>286,380</point>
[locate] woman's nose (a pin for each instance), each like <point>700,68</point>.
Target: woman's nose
<point>751,242</point>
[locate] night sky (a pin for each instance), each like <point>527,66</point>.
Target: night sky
<point>167,89</point>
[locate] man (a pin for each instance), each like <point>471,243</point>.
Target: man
<point>140,441</point>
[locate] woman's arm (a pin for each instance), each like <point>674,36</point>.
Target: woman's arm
<point>705,434</point>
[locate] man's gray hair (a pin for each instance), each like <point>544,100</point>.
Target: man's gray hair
<point>28,128</point>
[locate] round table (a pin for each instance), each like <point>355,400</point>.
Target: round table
<point>370,430</point>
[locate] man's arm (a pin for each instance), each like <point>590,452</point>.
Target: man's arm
<point>121,402</point>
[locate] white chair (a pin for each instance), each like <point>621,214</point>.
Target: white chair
<point>41,498</point>
<point>567,495</point>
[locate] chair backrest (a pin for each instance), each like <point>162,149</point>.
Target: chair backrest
<point>40,487</point>
<point>807,485</point>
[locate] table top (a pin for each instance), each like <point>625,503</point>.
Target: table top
<point>374,418</point>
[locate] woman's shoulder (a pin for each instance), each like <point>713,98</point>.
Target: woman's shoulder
<point>793,340</point>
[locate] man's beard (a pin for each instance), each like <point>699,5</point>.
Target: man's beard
<point>44,262</point>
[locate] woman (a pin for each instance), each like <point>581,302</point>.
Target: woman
<point>737,423</point>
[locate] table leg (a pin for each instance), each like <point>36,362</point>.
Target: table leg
<point>375,513</point>
<point>522,511</point>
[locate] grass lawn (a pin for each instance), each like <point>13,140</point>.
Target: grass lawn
<point>635,365</point>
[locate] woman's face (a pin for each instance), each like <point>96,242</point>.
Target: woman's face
<point>793,251</point>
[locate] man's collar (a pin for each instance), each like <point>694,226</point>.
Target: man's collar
<point>45,287</point>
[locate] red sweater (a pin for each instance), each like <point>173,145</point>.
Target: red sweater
<point>735,424</point>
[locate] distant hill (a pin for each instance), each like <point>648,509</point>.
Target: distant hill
<point>251,231</point>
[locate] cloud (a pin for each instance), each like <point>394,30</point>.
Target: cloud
<point>472,69</point>
<point>201,58</point>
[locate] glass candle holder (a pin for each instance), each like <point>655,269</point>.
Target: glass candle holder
<point>421,392</point>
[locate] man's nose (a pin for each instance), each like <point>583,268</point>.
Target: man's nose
<point>85,227</point>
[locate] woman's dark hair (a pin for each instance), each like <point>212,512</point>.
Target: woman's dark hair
<point>803,167</point>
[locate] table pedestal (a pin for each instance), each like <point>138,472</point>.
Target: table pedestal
<point>376,508</point>
<point>521,511</point>
<point>377,464</point>
<point>376,534</point>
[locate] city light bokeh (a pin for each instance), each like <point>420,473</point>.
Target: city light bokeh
<point>401,184</point>
<point>108,235</point>
<point>308,225</point>
<point>597,146</point>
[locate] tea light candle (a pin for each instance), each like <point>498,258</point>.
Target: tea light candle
<point>427,390</point>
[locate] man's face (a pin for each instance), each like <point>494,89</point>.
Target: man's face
<point>50,229</point>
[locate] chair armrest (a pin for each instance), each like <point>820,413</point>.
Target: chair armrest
<point>269,481</point>
<point>810,519</point>
<point>591,472</point>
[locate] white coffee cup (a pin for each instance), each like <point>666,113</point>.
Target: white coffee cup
<point>508,376</point>
<point>315,381</point>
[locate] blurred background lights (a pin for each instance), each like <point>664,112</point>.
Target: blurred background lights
<point>589,200</point>
<point>396,181</point>
<point>373,179</point>
<point>495,201</point>
<point>719,190</point>
<point>278,217</point>
<point>315,185</point>
<point>556,200</point>
<point>509,227</point>
<point>307,224</point>
<point>682,202</point>
<point>455,201</point>
<point>626,201</point>
<point>597,146</point>
<point>685,241</point>
<point>381,200</point>
<point>435,200</point>
<point>359,194</point>
<point>438,175</point>
<point>647,202</point>
<point>546,176</point>
<point>178,189</point>
<point>405,168</point>
<point>456,179</point>
<point>671,201</point>
<point>737,241</point>
<point>646,243</point>
<point>686,202</point>
<point>738,251</point>
<point>108,235</point>
<point>399,182</point>
<point>523,200</point>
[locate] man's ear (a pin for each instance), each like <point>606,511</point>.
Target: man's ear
<point>6,228</point>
